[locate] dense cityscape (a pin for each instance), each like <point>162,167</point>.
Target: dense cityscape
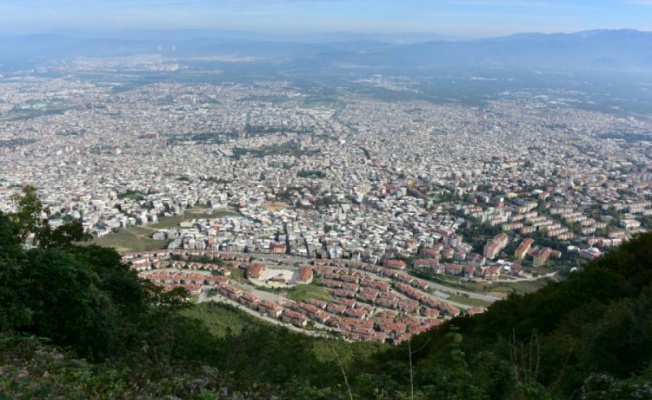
<point>485,193</point>
<point>317,199</point>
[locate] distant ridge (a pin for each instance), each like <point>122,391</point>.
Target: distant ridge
<point>622,50</point>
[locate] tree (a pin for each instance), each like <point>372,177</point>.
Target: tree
<point>66,304</point>
<point>27,218</point>
<point>29,222</point>
<point>63,236</point>
<point>13,310</point>
<point>622,339</point>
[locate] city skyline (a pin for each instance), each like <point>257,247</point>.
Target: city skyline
<point>457,19</point>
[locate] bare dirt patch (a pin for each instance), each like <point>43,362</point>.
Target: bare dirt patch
<point>273,207</point>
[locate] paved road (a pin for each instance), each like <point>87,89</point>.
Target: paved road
<point>442,289</point>
<point>445,299</point>
<point>526,279</point>
<point>461,292</point>
<point>221,299</point>
<point>284,258</point>
<point>482,296</point>
<point>442,296</point>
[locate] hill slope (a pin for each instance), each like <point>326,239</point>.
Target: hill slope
<point>589,337</point>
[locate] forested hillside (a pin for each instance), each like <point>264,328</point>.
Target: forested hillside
<point>77,324</point>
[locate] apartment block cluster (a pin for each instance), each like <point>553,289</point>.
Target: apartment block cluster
<point>117,158</point>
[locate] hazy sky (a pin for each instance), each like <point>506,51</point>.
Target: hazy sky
<point>462,18</point>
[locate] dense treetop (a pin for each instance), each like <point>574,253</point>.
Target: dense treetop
<point>76,323</point>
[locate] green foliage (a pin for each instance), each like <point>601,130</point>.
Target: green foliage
<point>12,293</point>
<point>621,341</point>
<point>204,259</point>
<point>83,298</point>
<point>28,221</point>
<point>63,237</point>
<point>66,304</point>
<point>548,343</point>
<point>304,292</point>
<point>40,371</point>
<point>222,319</point>
<point>325,201</point>
<point>589,337</point>
<point>306,173</point>
<point>478,234</point>
<point>632,261</point>
<point>131,195</point>
<point>606,387</point>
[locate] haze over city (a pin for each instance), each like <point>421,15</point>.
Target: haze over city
<point>326,199</point>
<point>451,18</point>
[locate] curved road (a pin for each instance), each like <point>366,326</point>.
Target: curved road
<point>221,299</point>
<point>482,296</point>
<point>462,292</point>
<point>436,286</point>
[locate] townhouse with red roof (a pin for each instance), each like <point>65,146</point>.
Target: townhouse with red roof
<point>305,275</point>
<point>255,270</point>
<point>394,264</point>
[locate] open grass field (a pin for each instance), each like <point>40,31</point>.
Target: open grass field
<point>238,275</point>
<point>468,301</point>
<point>303,292</point>
<point>138,238</point>
<point>325,102</point>
<point>498,289</point>
<point>222,318</point>
<point>130,240</point>
<point>195,213</point>
<point>141,230</point>
<point>520,287</point>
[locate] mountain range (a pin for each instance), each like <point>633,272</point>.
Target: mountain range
<point>597,50</point>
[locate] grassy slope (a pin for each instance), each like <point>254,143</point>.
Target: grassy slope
<point>138,238</point>
<point>221,318</point>
<point>303,292</point>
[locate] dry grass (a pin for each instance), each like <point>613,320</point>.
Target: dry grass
<point>273,207</point>
<point>130,240</point>
<point>138,238</point>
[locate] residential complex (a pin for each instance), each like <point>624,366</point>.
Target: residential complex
<point>397,187</point>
